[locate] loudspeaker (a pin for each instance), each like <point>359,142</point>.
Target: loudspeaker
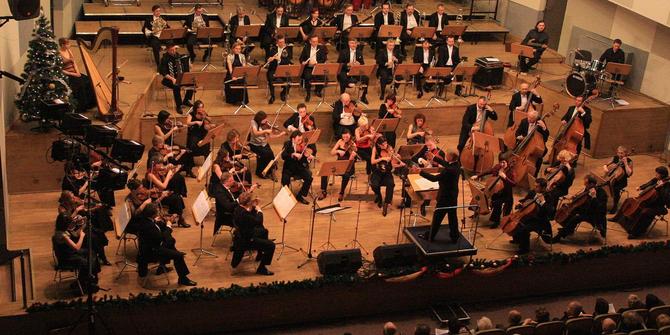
<point>336,262</point>
<point>389,256</point>
<point>24,9</point>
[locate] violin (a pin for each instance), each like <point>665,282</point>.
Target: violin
<point>394,110</point>
<point>349,148</point>
<point>169,124</point>
<point>267,126</point>
<point>387,166</point>
<point>243,187</point>
<point>352,109</point>
<point>307,122</point>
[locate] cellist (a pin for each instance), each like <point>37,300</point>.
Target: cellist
<point>559,185</point>
<point>584,113</point>
<point>502,201</point>
<point>526,126</point>
<point>538,221</point>
<point>593,211</point>
<point>474,114</point>
<point>620,159</point>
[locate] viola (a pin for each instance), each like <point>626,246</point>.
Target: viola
<point>387,166</point>
<point>351,108</point>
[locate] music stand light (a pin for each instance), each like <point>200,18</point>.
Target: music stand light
<point>101,135</point>
<point>127,151</point>
<point>74,124</point>
<point>112,178</point>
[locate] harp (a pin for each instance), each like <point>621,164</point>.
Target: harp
<point>107,99</point>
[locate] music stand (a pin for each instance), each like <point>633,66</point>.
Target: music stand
<point>200,208</point>
<point>523,51</point>
<point>325,34</point>
<point>361,71</point>
<point>172,34</point>
<point>406,71</point>
<point>361,33</point>
<point>211,134</point>
<point>325,69</point>
<point>287,72</point>
<point>389,31</point>
<point>423,32</point>
<point>283,203</point>
<point>438,73</point>
<point>288,32</point>
<point>120,224</point>
<point>209,33</point>
<point>408,151</point>
<point>252,30</point>
<point>334,168</point>
<point>616,70</point>
<point>247,73</point>
<point>311,136</point>
<point>189,80</point>
<point>467,71</point>
<point>454,30</point>
<point>385,125</point>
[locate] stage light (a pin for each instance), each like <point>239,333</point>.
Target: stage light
<point>127,151</point>
<point>101,135</point>
<point>63,150</point>
<point>74,124</point>
<point>112,178</point>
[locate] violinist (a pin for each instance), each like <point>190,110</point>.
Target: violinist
<point>389,110</point>
<point>75,180</point>
<point>273,20</point>
<point>138,198</point>
<point>502,201</point>
<point>385,160</point>
<point>353,55</point>
<point>659,205</point>
<point>365,136</point>
<point>387,59</point>
<point>583,112</point>
<point>235,96</point>
<point>229,159</point>
<point>447,196</point>
<point>424,56</point>
<point>474,114</point>
<point>69,250</point>
<point>251,234</point>
<point>344,149</point>
<point>416,133</point>
<point>261,130</point>
<point>199,124</point>
<point>280,54</point>
<point>165,128</point>
<point>620,160</point>
<point>161,176</point>
<point>75,213</point>
<point>171,68</point>
<point>313,53</point>
<point>538,221</point>
<point>345,115</point>
<point>519,101</point>
<point>226,201</point>
<point>560,176</point>
<point>302,122</point>
<point>593,211</point>
<point>307,26</point>
<point>344,22</point>
<point>296,158</point>
<point>526,127</point>
<point>160,152</point>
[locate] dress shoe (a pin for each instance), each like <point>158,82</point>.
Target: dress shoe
<point>271,101</point>
<point>302,200</point>
<point>418,96</point>
<point>184,281</point>
<point>385,209</point>
<point>163,269</point>
<point>364,100</point>
<point>323,195</point>
<point>264,271</point>
<point>182,223</point>
<point>308,97</point>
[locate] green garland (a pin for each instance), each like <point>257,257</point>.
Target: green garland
<point>205,294</point>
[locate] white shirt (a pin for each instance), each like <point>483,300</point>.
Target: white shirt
<point>389,54</point>
<point>480,114</point>
<point>439,22</point>
<point>411,21</point>
<point>198,21</point>
<point>352,55</point>
<point>386,18</point>
<point>240,21</point>
<point>575,111</point>
<point>346,22</point>
<point>278,23</point>
<point>524,100</point>
<point>426,56</point>
<point>346,119</point>
<point>450,49</point>
<point>531,126</point>
<point>312,53</point>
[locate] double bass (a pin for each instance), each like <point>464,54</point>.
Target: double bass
<point>629,213</point>
<point>571,133</point>
<point>481,159</point>
<point>510,138</point>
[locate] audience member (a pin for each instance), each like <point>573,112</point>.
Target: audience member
<point>541,315</point>
<point>390,329</point>
<point>602,306</point>
<point>634,302</point>
<point>630,321</point>
<point>456,327</point>
<point>484,323</point>
<point>662,320</point>
<point>422,329</point>
<point>574,310</point>
<point>651,301</point>
<point>608,326</point>
<point>514,318</point>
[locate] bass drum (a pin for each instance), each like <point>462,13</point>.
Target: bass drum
<point>579,84</point>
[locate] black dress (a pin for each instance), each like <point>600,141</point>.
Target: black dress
<point>235,96</point>
<point>194,135</point>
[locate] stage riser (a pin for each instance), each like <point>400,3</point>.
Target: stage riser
<point>365,299</point>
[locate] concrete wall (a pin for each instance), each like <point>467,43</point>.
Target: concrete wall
<point>519,16</point>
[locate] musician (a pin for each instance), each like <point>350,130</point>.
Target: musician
<point>74,211</point>
<point>343,23</point>
<point>301,122</point>
<point>593,211</point>
<point>519,101</point>
<point>425,159</point>
<point>273,20</point>
<point>426,57</point>
<point>343,115</point>
<point>80,83</point>
<point>312,54</point>
<point>389,110</point>
<point>281,54</point>
<point>387,59</point>
<point>583,112</point>
<point>307,26</point>
<point>353,55</point>
<point>171,68</point>
<point>538,39</point>
<point>474,114</point>
<point>251,234</point>
<point>382,174</point>
<point>240,19</point>
<point>614,54</point>
<point>159,152</point>
<point>620,159</point>
<point>229,159</point>
<point>226,201</point>
<point>383,18</point>
<point>161,177</point>
<point>447,196</point>
<point>503,201</point>
<point>235,96</point>
<point>650,209</point>
<point>296,164</point>
<point>449,55</point>
<point>559,186</point>
<point>526,126</point>
<point>438,20</point>
<point>416,134</point>
<point>193,22</point>
<point>69,250</point>
<point>344,149</point>
<point>198,124</point>
<point>538,221</point>
<point>152,29</point>
<point>156,243</point>
<point>165,128</point>
<point>261,131</point>
<point>365,136</point>
<point>75,179</point>
<point>409,19</point>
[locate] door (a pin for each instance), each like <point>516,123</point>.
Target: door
<point>554,13</point>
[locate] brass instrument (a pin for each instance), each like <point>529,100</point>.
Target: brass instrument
<point>157,26</point>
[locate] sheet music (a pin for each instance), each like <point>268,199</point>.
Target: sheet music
<point>284,202</point>
<point>426,185</point>
<point>204,168</point>
<point>200,207</point>
<point>122,219</point>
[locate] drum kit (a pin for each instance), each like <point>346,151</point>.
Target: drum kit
<point>584,77</point>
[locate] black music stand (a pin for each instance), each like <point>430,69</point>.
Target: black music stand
<point>361,71</point>
<point>172,34</point>
<point>406,71</point>
<point>247,73</point>
<point>334,168</point>
<point>439,73</point>
<point>287,72</point>
<point>423,33</point>
<point>209,33</point>
<point>324,70</point>
<point>325,33</point>
<point>467,71</point>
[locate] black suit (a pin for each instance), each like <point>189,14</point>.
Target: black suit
<point>172,65</point>
<point>404,38</point>
<point>538,223</point>
<point>594,211</point>
<point>272,68</point>
<point>586,119</point>
<point>270,28</point>
<point>250,234</point>
<point>447,196</point>
<point>191,39</point>
<point>379,22</point>
<point>344,37</point>
<point>418,58</point>
<point>321,57</point>
<point>234,23</point>
<point>443,56</point>
<point>516,102</point>
<point>522,130</point>
<point>344,58</point>
<point>157,244</point>
<point>433,22</point>
<point>469,119</point>
<point>225,204</point>
<point>296,168</point>
<point>153,41</point>
<point>384,73</point>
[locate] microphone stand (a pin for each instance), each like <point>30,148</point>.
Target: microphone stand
<point>310,257</point>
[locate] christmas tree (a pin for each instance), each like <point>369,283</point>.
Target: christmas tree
<point>43,72</point>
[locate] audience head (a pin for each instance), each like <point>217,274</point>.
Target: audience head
<point>514,318</point>
<point>484,323</point>
<point>602,306</point>
<point>651,301</point>
<point>574,309</point>
<point>661,172</point>
<point>542,315</point>
<point>422,329</point>
<point>608,326</point>
<point>634,302</point>
<point>454,326</point>
<point>630,321</point>
<point>662,320</point>
<point>390,329</point>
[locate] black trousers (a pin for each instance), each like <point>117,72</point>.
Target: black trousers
<point>525,63</point>
<point>174,204</point>
<point>570,225</point>
<point>271,80</point>
<point>178,185</point>
<point>522,233</point>
<point>307,77</point>
<point>191,42</point>
<point>617,188</point>
<point>386,78</point>
<point>264,156</point>
<point>164,256</point>
<point>346,177</point>
<point>379,179</point>
<point>438,217</point>
<point>366,155</point>
<point>501,203</point>
<point>345,80</point>
<point>260,243</point>
<point>301,173</point>
<point>176,92</point>
<point>155,45</point>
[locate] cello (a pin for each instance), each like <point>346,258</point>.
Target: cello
<point>629,213</point>
<point>482,193</point>
<point>571,133</point>
<point>482,159</point>
<point>509,138</point>
<point>568,210</point>
<point>510,223</point>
